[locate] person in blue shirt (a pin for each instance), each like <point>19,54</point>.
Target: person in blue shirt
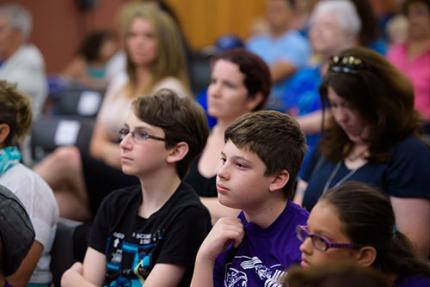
<point>334,26</point>
<point>284,49</point>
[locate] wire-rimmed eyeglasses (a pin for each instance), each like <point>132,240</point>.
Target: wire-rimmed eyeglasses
<point>139,135</point>
<point>320,242</point>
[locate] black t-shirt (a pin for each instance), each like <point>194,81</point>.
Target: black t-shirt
<point>205,187</point>
<point>133,245</point>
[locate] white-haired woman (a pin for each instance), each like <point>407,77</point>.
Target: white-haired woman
<point>334,26</point>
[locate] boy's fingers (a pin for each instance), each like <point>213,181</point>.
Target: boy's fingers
<point>78,267</point>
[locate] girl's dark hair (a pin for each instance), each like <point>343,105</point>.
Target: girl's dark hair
<point>256,72</point>
<point>92,44</point>
<point>368,220</point>
<point>379,92</point>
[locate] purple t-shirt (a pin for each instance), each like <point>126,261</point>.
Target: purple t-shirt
<point>413,281</point>
<point>264,254</point>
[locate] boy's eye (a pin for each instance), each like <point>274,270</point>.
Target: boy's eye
<point>123,132</point>
<point>222,159</point>
<point>141,135</point>
<point>241,165</point>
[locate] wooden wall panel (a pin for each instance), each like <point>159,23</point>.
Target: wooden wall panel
<point>59,26</point>
<point>205,20</point>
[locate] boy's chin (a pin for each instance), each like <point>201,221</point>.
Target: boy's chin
<point>227,203</point>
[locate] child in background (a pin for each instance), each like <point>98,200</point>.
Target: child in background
<point>149,234</point>
<point>259,163</point>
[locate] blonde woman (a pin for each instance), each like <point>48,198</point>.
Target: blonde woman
<point>155,60</point>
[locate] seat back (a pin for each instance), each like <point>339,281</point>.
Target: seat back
<point>62,252</point>
<point>77,102</point>
<point>200,70</point>
<point>51,132</point>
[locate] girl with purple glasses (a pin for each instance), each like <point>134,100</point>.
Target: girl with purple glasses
<point>355,222</point>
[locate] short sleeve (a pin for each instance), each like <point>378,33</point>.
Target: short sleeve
<point>37,198</point>
<point>408,173</point>
<point>184,237</point>
<point>298,51</point>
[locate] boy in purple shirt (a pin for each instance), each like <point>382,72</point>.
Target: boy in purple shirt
<point>259,163</point>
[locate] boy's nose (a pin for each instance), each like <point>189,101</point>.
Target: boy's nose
<point>126,141</point>
<point>222,171</point>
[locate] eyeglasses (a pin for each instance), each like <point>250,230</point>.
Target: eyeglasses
<point>320,242</point>
<point>346,64</point>
<point>139,135</point>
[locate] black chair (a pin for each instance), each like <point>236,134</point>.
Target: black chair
<point>51,132</point>
<point>62,252</point>
<point>77,102</point>
<point>200,72</point>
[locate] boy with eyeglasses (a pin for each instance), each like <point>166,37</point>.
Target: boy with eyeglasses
<point>259,163</point>
<point>149,234</point>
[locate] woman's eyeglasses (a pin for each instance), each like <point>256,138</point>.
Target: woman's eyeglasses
<point>320,242</point>
<point>139,135</point>
<point>346,64</point>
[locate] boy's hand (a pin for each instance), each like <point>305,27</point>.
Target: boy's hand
<point>72,275</point>
<point>226,230</point>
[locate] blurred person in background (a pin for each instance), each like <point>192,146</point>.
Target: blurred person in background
<point>21,62</point>
<point>370,35</point>
<point>284,49</point>
<point>334,26</point>
<point>88,67</point>
<point>412,57</point>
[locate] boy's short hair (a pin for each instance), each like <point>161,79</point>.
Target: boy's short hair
<point>275,137</point>
<point>181,119</point>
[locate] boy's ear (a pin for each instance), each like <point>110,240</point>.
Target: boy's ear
<point>251,103</point>
<point>279,180</point>
<point>4,133</point>
<point>366,256</point>
<point>178,152</point>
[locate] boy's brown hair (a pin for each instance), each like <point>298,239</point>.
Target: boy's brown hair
<point>181,119</point>
<point>275,137</point>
